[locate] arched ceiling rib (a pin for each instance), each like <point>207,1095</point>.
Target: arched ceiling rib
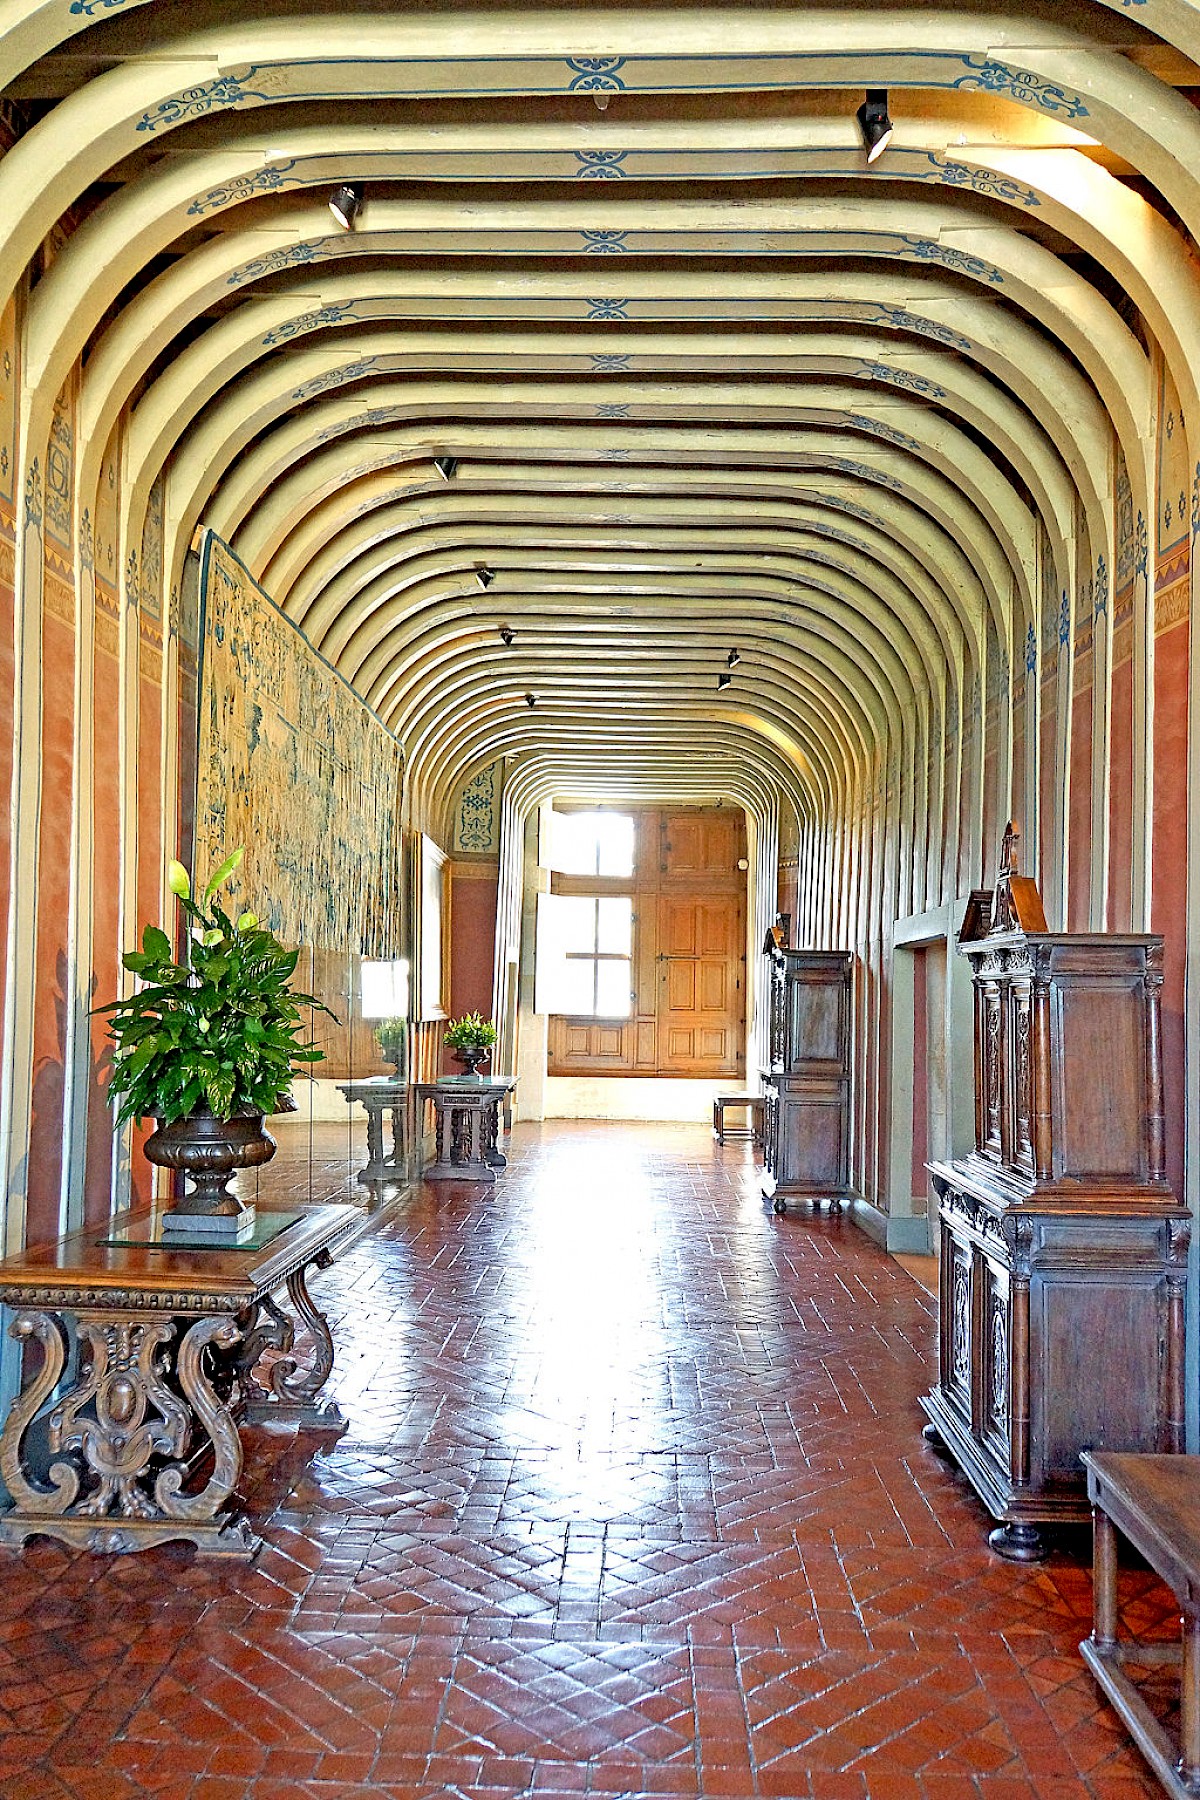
<point>711,381</point>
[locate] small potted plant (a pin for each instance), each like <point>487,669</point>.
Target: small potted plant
<point>206,1045</point>
<point>392,1037</point>
<point>471,1039</point>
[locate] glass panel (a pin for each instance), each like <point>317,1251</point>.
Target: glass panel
<point>614,931</point>
<point>591,843</point>
<point>577,913</point>
<point>613,983</point>
<point>575,988</point>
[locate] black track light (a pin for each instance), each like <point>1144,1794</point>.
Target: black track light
<point>874,123</point>
<point>531,700</point>
<point>345,203</point>
<point>723,681</point>
<point>734,658</point>
<point>507,634</point>
<point>485,577</point>
<point>446,466</point>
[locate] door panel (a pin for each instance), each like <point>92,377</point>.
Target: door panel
<point>700,939</point>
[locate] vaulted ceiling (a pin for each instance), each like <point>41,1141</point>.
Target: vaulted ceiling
<point>711,382</point>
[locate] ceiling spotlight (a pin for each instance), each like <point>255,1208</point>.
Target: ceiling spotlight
<point>734,658</point>
<point>600,99</point>
<point>507,634</point>
<point>485,577</point>
<point>531,699</point>
<point>446,466</point>
<point>723,681</point>
<point>874,123</point>
<point>345,203</point>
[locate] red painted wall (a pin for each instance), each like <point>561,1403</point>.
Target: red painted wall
<point>473,896</point>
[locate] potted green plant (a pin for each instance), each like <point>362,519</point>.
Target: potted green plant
<point>206,1045</point>
<point>471,1039</point>
<point>392,1037</point>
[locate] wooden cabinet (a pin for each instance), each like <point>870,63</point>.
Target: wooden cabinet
<point>807,1087</point>
<point>1062,1250</point>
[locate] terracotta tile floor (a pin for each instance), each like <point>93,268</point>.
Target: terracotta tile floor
<point>634,1501</point>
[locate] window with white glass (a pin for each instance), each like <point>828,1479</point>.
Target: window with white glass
<point>585,955</point>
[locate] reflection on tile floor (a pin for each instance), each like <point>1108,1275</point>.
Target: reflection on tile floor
<point>634,1501</point>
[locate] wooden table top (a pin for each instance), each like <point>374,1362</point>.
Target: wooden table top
<point>79,1269</point>
<point>1155,1500</point>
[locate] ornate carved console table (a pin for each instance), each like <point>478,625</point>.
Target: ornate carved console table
<point>467,1121</point>
<point>125,1431</point>
<point>380,1094</point>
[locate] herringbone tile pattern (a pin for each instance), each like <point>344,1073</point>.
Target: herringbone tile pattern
<point>634,1502</point>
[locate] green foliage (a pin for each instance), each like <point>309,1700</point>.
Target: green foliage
<point>220,1028</point>
<point>391,1035</point>
<point>470,1031</point>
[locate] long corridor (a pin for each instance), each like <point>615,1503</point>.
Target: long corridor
<point>634,1501</point>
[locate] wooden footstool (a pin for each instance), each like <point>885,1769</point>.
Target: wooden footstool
<point>752,1129</point>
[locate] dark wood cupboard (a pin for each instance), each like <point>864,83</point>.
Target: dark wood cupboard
<point>806,1119</point>
<point>1062,1249</point>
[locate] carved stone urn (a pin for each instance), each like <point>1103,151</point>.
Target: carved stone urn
<point>209,1150</point>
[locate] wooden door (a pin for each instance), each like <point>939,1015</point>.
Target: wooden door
<point>701,999</point>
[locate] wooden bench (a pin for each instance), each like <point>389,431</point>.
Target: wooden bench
<point>157,1351</point>
<point>1154,1502</point>
<point>753,1127</point>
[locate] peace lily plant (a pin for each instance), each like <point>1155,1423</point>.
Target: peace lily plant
<point>217,1030</point>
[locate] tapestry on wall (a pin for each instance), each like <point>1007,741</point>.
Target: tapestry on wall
<point>293,765</point>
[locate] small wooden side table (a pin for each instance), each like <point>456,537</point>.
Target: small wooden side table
<point>125,1432</point>
<point>467,1122</point>
<point>380,1094</point>
<point>1154,1501</point>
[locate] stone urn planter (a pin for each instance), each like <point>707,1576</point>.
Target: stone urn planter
<point>471,1056</point>
<point>209,1150</point>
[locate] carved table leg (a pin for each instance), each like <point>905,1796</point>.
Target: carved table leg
<point>291,1398</point>
<point>128,1440</point>
<point>1104,1580</point>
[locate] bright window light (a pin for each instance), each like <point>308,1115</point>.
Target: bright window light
<point>584,956</point>
<point>592,843</point>
<point>384,989</point>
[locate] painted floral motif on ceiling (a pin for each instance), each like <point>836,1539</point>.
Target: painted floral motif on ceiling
<point>477,828</point>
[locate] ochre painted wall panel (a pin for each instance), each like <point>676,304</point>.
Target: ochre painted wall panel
<point>1078,872</point>
<point>1168,898</point>
<point>1120,799</point>
<point>54,895</point>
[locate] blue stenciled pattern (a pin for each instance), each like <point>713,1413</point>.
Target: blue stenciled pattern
<point>275,260</point>
<point>880,430</point>
<point>194,102</point>
<point>902,320</point>
<point>477,814</point>
<point>89,8</point>
<point>595,74</point>
<point>1031,652</point>
<point>605,243</point>
<point>993,77</point>
<point>1141,555</point>
<point>926,250</point>
<point>600,165</point>
<point>981,181</point>
<point>33,496</point>
<point>1100,591</point>
<point>903,378</point>
<point>332,378</point>
<point>610,365</point>
<point>245,187</point>
<point>607,309</point>
<point>613,410</point>
<point>846,466</point>
<point>1064,620</point>
<point>309,321</point>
